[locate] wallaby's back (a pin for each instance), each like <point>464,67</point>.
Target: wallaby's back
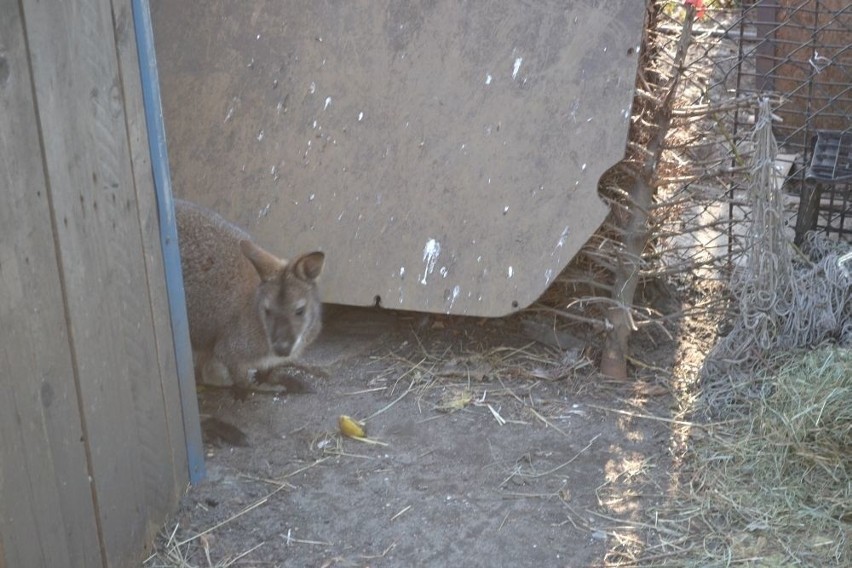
<point>248,310</point>
<point>215,272</point>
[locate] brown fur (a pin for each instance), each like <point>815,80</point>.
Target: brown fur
<point>249,311</point>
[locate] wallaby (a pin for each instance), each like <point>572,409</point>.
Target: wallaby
<point>250,312</point>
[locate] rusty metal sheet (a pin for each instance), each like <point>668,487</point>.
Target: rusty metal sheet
<point>444,154</point>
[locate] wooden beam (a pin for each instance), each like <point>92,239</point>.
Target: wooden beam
<point>165,383</point>
<point>163,209</point>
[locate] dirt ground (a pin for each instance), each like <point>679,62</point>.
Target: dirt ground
<point>497,449</point>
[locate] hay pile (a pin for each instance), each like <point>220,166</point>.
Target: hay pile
<point>774,488</point>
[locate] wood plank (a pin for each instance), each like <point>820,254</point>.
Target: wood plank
<point>46,512</point>
<point>160,237</point>
<point>80,98</point>
<point>165,496</point>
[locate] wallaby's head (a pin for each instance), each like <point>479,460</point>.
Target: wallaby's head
<point>287,299</point>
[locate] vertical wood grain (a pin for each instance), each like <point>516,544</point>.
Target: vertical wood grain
<point>81,96</point>
<point>168,238</point>
<point>150,236</point>
<point>46,512</point>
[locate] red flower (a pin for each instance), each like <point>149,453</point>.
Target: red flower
<point>698,5</point>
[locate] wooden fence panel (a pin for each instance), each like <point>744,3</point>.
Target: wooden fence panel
<point>93,453</point>
<point>80,96</point>
<point>46,510</point>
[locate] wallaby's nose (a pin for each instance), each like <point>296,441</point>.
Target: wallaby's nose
<point>282,348</point>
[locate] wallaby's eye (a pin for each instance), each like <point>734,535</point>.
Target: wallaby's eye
<point>300,311</point>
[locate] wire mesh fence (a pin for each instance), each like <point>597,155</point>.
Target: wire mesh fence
<point>802,49</point>
<point>680,211</point>
<point>798,52</point>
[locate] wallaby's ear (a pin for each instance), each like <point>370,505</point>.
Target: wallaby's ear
<point>309,266</point>
<point>268,265</point>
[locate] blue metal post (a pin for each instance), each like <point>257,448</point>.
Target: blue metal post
<point>168,235</point>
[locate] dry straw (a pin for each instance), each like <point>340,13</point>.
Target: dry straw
<point>773,489</point>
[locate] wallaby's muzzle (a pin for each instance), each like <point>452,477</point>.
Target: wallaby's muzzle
<point>283,348</point>
<point>284,342</point>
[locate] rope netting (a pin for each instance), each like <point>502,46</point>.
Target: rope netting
<point>782,299</point>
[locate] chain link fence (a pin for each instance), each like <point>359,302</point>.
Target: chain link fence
<point>680,213</point>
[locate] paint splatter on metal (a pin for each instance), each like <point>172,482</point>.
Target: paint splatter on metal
<point>517,67</point>
<point>430,257</point>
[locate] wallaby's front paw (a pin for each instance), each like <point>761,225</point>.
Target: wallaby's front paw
<point>316,371</point>
<point>286,375</point>
<point>280,386</point>
<point>286,382</point>
<point>294,386</point>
